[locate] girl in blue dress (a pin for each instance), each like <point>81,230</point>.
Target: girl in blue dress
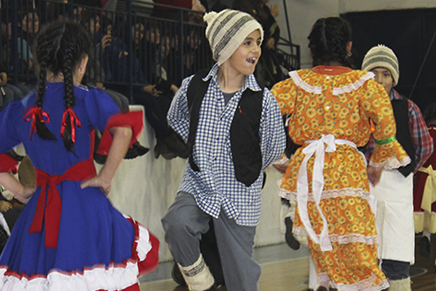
<point>69,236</point>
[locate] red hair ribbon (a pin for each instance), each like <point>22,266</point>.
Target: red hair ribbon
<point>33,113</point>
<point>73,121</point>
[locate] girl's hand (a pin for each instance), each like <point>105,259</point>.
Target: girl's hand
<point>97,181</point>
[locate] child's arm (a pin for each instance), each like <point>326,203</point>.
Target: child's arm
<point>21,193</point>
<point>178,114</point>
<point>273,138</point>
<point>117,152</point>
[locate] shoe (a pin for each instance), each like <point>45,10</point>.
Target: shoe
<point>292,242</point>
<point>177,275</point>
<point>424,247</point>
<point>161,149</point>
<point>100,159</point>
<point>137,150</point>
<point>176,145</point>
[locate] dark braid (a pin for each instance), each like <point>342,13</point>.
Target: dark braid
<point>328,41</point>
<point>69,93</point>
<point>46,47</point>
<point>60,48</point>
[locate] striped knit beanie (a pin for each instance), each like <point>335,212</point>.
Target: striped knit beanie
<point>227,30</point>
<point>382,56</point>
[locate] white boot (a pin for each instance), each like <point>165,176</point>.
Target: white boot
<point>197,276</point>
<point>400,285</point>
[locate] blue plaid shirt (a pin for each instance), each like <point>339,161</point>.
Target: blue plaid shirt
<point>215,186</point>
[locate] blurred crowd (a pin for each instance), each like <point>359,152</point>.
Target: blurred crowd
<point>144,56</point>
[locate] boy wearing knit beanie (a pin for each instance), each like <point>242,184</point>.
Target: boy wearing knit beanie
<point>394,192</point>
<point>234,130</point>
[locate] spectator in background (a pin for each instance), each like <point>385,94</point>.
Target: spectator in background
<point>79,13</point>
<point>106,24</point>
<point>6,94</point>
<point>9,206</point>
<point>94,71</point>
<point>9,92</point>
<point>28,27</point>
<point>6,40</point>
<point>191,55</point>
<point>268,62</point>
<point>148,49</point>
<point>155,102</point>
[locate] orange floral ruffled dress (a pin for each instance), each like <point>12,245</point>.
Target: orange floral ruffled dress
<point>331,111</point>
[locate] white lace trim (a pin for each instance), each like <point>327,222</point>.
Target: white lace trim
<point>300,232</point>
<point>113,277</point>
<point>323,280</point>
<point>305,86</point>
<point>143,242</point>
<point>367,284</point>
<point>327,194</point>
<point>336,91</point>
<point>353,86</point>
<point>392,163</point>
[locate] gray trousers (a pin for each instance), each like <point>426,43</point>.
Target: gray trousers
<point>184,224</point>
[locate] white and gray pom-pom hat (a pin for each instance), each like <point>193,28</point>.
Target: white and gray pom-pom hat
<point>227,30</point>
<point>384,57</point>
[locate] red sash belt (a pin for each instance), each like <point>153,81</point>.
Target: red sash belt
<point>79,172</point>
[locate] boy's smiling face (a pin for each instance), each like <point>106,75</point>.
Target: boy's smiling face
<point>384,77</point>
<point>245,58</point>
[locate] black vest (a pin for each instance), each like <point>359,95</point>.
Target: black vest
<point>401,113</point>
<point>244,130</point>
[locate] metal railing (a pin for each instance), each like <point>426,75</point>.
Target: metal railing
<point>139,45</point>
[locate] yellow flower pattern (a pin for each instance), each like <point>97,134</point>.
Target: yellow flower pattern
<point>346,114</point>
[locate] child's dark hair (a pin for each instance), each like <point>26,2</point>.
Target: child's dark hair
<point>328,41</point>
<point>59,49</point>
<point>430,114</point>
<point>25,13</point>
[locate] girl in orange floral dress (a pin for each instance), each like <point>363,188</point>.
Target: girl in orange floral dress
<point>332,108</point>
